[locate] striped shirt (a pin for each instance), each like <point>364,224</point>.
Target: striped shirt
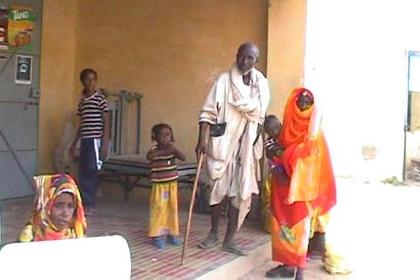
<point>91,110</point>
<point>163,169</point>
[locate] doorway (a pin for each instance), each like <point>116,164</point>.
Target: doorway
<point>412,120</point>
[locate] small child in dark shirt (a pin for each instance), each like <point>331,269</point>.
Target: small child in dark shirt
<point>272,128</point>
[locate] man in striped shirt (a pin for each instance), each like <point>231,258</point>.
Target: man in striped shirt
<point>93,133</point>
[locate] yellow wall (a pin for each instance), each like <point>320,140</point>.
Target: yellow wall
<point>285,50</point>
<point>168,50</point>
<point>57,68</point>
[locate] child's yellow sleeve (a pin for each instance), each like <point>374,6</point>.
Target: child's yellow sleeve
<point>27,234</point>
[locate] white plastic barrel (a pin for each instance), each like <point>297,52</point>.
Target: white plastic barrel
<point>106,257</point>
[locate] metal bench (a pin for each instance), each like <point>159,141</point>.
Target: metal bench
<point>125,166</point>
<point>132,170</point>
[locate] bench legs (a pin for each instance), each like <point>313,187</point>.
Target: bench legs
<point>127,185</point>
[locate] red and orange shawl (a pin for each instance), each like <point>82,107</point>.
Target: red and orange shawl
<point>40,226</point>
<point>307,161</point>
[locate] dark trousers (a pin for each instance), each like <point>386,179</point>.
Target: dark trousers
<point>88,171</point>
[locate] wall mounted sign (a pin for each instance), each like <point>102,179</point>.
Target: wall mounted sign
<point>20,27</point>
<point>23,69</point>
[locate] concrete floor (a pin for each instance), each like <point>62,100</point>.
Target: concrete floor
<point>376,227</point>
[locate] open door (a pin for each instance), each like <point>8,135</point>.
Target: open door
<point>412,125</point>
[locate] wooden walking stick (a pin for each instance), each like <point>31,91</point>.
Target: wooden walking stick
<point>194,190</point>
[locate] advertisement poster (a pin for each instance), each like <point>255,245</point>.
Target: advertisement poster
<point>21,23</point>
<point>4,14</point>
<point>23,69</point>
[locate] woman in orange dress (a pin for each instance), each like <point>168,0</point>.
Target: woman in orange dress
<point>303,185</point>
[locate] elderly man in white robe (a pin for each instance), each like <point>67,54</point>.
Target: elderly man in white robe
<point>230,125</point>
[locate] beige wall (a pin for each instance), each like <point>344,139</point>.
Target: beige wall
<point>413,136</point>
<point>168,50</point>
<point>285,49</point>
<point>415,111</point>
<point>57,68</point>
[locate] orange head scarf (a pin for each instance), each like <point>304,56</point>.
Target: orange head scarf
<point>295,121</point>
<point>306,157</point>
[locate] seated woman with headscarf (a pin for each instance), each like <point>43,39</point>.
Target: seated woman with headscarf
<point>58,212</point>
<point>303,187</point>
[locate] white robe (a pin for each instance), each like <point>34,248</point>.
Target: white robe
<point>233,159</point>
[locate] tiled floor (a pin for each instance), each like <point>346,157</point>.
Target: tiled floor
<point>374,225</point>
<point>130,219</point>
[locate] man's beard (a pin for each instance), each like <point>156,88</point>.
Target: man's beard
<point>247,71</point>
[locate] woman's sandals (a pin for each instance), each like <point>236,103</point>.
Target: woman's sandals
<point>284,271</point>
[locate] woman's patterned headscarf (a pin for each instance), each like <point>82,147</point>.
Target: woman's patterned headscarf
<point>40,226</point>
